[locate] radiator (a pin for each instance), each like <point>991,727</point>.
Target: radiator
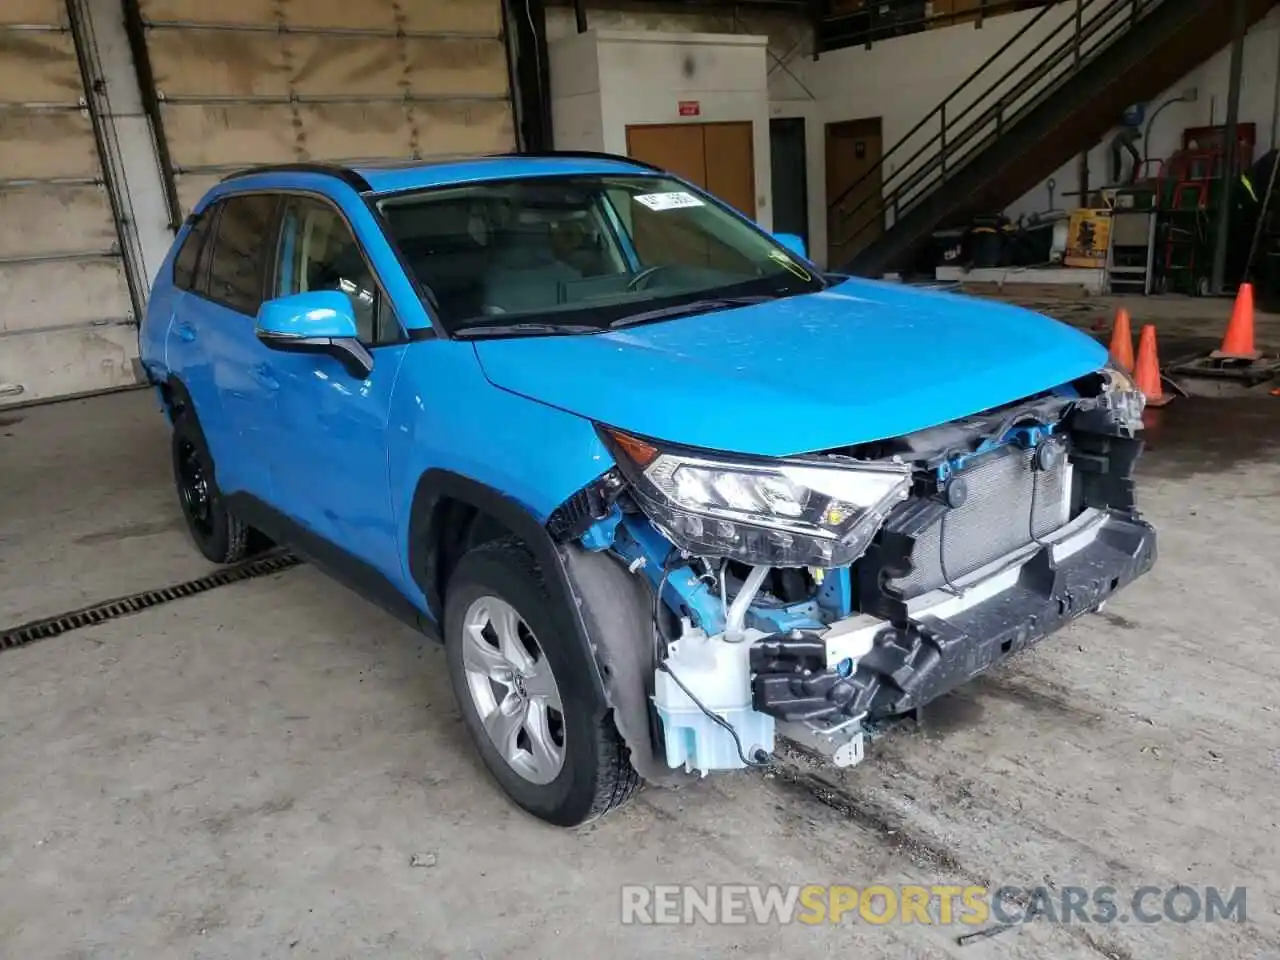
<point>1009,504</point>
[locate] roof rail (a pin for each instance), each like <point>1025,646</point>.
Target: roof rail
<point>584,155</point>
<point>353,179</point>
<point>345,174</point>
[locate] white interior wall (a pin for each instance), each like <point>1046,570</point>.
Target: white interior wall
<point>577,120</point>
<point>899,80</point>
<point>790,38</point>
<point>604,80</point>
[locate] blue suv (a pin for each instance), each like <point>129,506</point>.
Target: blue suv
<point>665,490</point>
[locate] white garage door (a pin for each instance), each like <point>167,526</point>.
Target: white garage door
<point>66,320</point>
<point>244,82</point>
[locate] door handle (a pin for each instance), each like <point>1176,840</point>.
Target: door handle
<point>185,331</point>
<point>265,376</point>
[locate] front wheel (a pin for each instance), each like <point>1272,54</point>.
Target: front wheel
<point>510,664</point>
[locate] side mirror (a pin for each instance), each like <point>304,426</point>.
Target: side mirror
<point>793,243</point>
<point>320,321</point>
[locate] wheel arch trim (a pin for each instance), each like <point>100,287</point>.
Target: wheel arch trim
<point>605,607</point>
<point>437,485</point>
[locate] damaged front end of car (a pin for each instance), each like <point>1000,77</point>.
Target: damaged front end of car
<point>809,596</point>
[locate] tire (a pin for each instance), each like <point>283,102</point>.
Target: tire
<point>217,533</point>
<point>566,766</point>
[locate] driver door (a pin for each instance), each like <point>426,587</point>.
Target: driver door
<point>329,457</point>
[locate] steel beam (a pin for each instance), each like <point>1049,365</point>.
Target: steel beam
<point>1231,152</point>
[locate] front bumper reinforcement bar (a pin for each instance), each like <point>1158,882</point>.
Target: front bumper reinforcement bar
<point>950,637</point>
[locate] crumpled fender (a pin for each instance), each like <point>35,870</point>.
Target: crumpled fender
<point>616,607</point>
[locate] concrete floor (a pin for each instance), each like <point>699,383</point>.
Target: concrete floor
<point>247,773</point>
<point>1185,326</point>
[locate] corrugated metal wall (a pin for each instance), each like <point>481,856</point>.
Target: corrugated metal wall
<point>266,81</point>
<point>240,82</point>
<point>65,312</point>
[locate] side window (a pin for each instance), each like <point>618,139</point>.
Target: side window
<point>319,252</point>
<point>186,263</point>
<point>237,266</point>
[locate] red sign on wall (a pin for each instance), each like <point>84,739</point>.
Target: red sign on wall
<point>690,108</point>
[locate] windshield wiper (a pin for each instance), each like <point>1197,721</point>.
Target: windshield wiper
<point>521,329</point>
<point>689,309</point>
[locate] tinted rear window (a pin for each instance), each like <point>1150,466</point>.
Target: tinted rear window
<point>238,266</point>
<point>185,264</point>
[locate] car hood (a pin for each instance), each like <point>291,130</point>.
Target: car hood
<point>861,361</point>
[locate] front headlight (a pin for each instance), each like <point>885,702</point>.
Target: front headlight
<point>784,513</point>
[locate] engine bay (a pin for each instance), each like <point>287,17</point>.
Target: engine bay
<point>965,564</point>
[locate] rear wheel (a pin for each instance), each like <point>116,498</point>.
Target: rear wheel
<point>217,533</point>
<point>509,662</point>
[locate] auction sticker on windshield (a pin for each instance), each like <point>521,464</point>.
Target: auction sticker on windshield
<point>668,201</point>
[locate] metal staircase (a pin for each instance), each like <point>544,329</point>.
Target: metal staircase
<point>1050,92</point>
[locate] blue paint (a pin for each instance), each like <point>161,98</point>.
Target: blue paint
<point>600,535</point>
<point>858,362</point>
<point>343,456</point>
<point>682,588</point>
<point>793,243</point>
<point>835,594</point>
<point>318,313</point>
<point>1025,436</point>
<point>797,616</point>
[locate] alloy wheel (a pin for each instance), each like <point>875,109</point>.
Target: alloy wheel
<point>513,689</point>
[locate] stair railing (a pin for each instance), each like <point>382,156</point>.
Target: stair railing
<point>1063,39</point>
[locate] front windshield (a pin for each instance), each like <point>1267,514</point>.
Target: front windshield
<point>582,253</point>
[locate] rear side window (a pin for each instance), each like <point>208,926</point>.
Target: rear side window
<point>238,263</point>
<point>186,263</point>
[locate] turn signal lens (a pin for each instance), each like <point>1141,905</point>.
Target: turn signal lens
<point>642,454</point>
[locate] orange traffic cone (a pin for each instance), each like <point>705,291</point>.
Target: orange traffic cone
<point>1122,342</point>
<point>1238,342</point>
<point>1147,375</point>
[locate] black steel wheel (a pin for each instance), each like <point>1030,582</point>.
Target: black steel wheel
<point>216,531</point>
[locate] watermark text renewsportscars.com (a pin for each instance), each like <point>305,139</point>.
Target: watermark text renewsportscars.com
<point>740,903</point>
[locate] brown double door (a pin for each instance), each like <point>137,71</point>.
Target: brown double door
<point>718,157</point>
<point>854,148</point>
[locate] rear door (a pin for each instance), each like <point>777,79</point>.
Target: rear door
<point>224,365</point>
